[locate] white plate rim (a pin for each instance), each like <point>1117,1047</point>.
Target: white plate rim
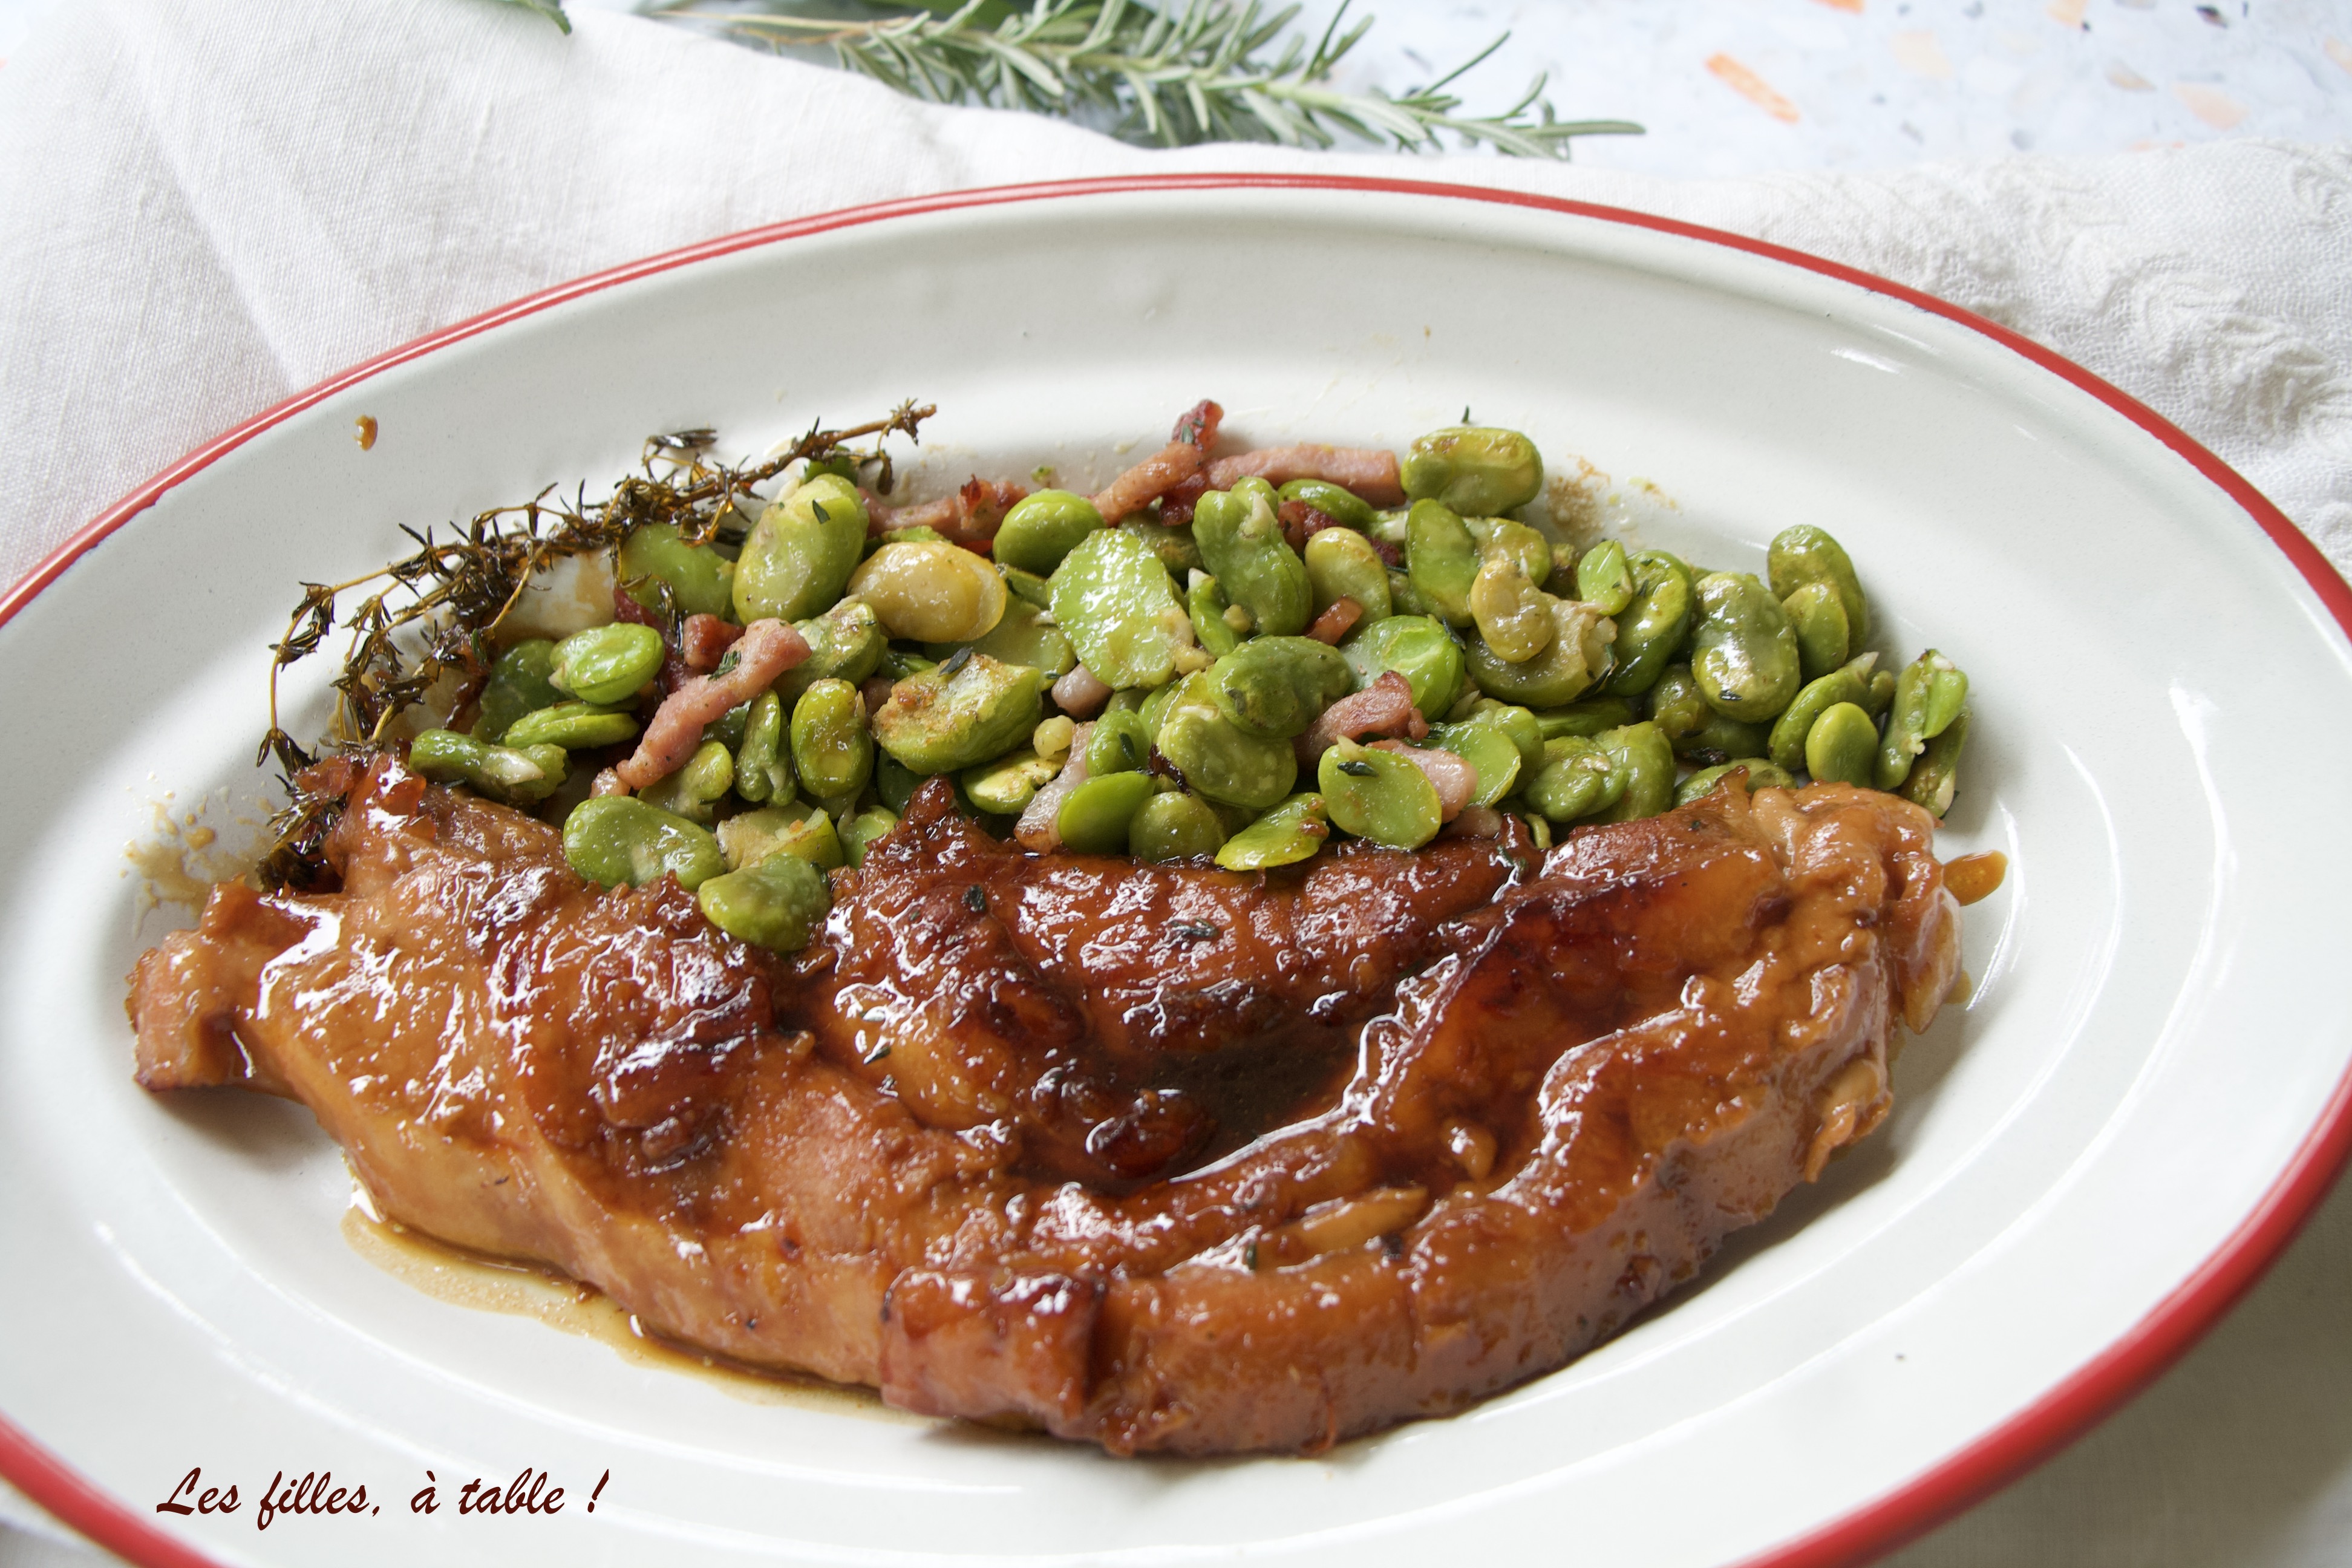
<point>2104,1381</point>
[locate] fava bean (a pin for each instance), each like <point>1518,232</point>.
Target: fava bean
<point>701,581</point>
<point>1718,739</point>
<point>728,728</point>
<point>1743,650</point>
<point>1935,777</point>
<point>618,839</point>
<point>777,904</point>
<point>1119,745</point>
<point>1576,779</point>
<point>1240,534</point>
<point>1441,560</point>
<point>1491,754</point>
<point>1880,701</point>
<point>1216,757</point>
<point>1025,636</point>
<point>1177,550</point>
<point>964,711</point>
<point>764,768</point>
<point>1117,605</point>
<point>1289,833</point>
<point>931,592</point>
<point>1503,535</point>
<point>574,726</point>
<point>1175,825</point>
<point>1205,601</point>
<point>1342,564</point>
<point>1043,527</point>
<point>1475,470</point>
<point>1928,695</point>
<point>1677,707</point>
<point>1644,763</point>
<point>1005,786</point>
<point>1604,579</point>
<point>1586,718</point>
<point>1796,721</point>
<point>1762,772</point>
<point>522,773</point>
<point>845,643</point>
<point>1805,554</point>
<point>1051,737</point>
<point>1652,628</point>
<point>519,684</point>
<point>894,782</point>
<point>1277,687</point>
<point>1840,747</point>
<point>1818,618</point>
<point>1513,616</point>
<point>799,555</point>
<point>1379,795</point>
<point>860,832</point>
<point>1524,729</point>
<point>831,752</point>
<point>1417,647</point>
<point>1028,587</point>
<point>1576,655</point>
<point>695,790</point>
<point>751,836</point>
<point>1094,816</point>
<point>1341,506</point>
<point>606,664</point>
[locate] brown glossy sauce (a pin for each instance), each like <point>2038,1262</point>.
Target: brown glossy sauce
<point>464,1278</point>
<point>366,434</point>
<point>1974,877</point>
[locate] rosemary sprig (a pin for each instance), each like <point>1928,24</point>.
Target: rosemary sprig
<point>1173,78</point>
<point>432,620</point>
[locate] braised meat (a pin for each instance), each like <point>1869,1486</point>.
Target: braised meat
<point>1164,1158</point>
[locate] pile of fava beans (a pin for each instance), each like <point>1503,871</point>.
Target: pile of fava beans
<point>1153,690</point>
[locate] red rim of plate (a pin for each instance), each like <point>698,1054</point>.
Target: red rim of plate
<point>2116,1373</point>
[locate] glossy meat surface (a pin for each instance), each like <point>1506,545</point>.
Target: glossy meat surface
<point>1164,1158</point>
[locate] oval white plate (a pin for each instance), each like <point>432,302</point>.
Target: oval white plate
<point>2089,1158</point>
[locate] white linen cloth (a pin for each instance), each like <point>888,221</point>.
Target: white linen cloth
<point>206,208</point>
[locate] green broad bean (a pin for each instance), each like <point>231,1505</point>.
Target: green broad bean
<point>1175,826</point>
<point>860,832</point>
<point>574,726</point>
<point>1603,578</point>
<point>617,838</point>
<point>1517,540</point>
<point>1677,707</point>
<point>1205,601</point>
<point>903,663</point>
<point>1405,599</point>
<point>728,728</point>
<point>1881,699</point>
<point>1787,745</point>
<point>1585,719</point>
<point>972,708</point>
<point>1762,774</point>
<point>1644,764</point>
<point>751,836</point>
<point>1289,833</point>
<point>831,752</point>
<point>1341,505</point>
<point>1441,560</point>
<point>895,782</point>
<point>1240,534</point>
<point>931,592</point>
<point>916,533</point>
<point>1152,706</point>
<point>1576,779</point>
<point>1277,687</point>
<point>1025,636</point>
<point>1005,786</point>
<point>1028,587</point>
<point>799,555</point>
<point>1576,656</point>
<point>1513,616</point>
<point>1379,795</point>
<point>1475,470</point>
<point>606,664</point>
<point>1719,740</point>
<point>701,581</point>
<point>1743,650</point>
<point>777,904</point>
<point>763,767</point>
<point>1094,817</point>
<point>1805,554</point>
<point>1928,695</point>
<point>517,685</point>
<point>1177,549</point>
<point>1419,648</point>
<point>1824,638</point>
<point>695,790</point>
<point>1842,746</point>
<point>1117,605</point>
<point>1119,745</point>
<point>1216,757</point>
<point>1935,775</point>
<point>1053,737</point>
<point>1652,630</point>
<point>1524,729</point>
<point>845,643</point>
<point>1043,527</point>
<point>517,773</point>
<point>1491,752</point>
<point>1342,564</point>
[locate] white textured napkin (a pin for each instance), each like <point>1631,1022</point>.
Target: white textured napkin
<point>206,207</point>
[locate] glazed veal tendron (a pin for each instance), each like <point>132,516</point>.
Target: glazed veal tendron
<point>1282,945</point>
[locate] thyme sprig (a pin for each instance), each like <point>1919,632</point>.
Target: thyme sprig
<point>429,627</point>
<point>1171,78</point>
